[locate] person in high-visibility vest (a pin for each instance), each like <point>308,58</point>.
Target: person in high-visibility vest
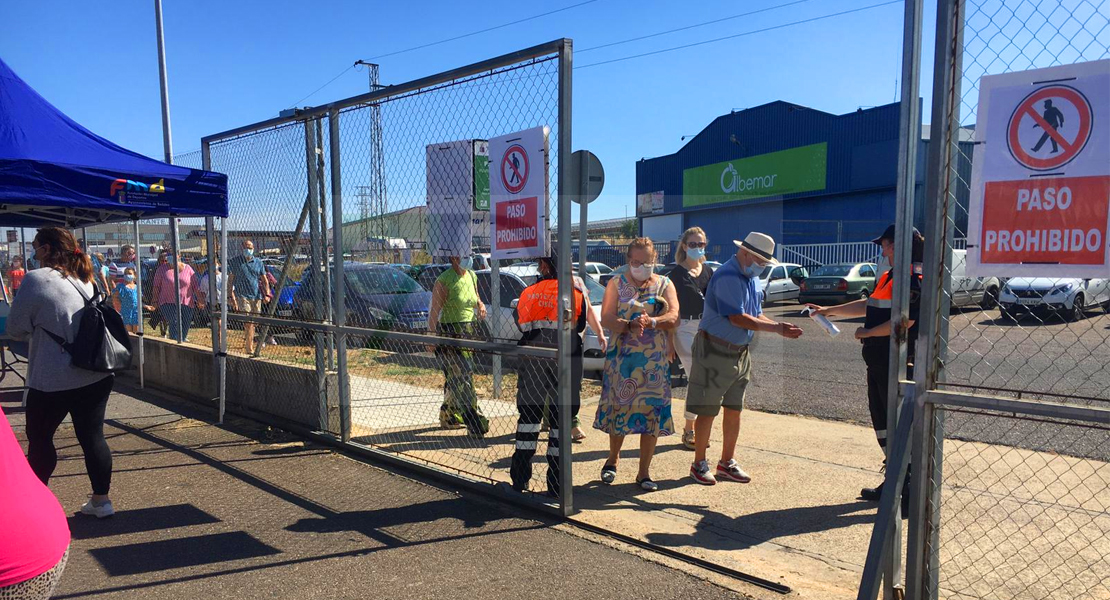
<point>875,336</point>
<point>538,378</point>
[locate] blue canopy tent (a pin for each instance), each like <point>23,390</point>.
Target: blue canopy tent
<point>54,172</point>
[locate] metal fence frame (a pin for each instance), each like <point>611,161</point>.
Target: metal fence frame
<point>338,329</point>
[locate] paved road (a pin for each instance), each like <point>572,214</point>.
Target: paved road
<point>825,377</point>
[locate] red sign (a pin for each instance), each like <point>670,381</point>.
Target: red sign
<point>514,169</point>
<point>517,223</point>
<point>1048,119</point>
<point>1058,220</point>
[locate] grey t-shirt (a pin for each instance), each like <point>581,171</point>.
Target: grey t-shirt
<point>49,302</point>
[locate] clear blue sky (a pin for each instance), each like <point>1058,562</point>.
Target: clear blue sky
<point>233,63</point>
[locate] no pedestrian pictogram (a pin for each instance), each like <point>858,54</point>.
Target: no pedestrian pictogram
<point>514,169</point>
<point>1050,127</point>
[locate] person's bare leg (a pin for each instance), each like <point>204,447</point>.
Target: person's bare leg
<point>248,328</point>
<point>703,426</point>
<point>730,426</point>
<point>689,426</point>
<point>615,443</point>
<point>647,452</point>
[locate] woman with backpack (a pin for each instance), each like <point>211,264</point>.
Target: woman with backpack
<point>49,304</point>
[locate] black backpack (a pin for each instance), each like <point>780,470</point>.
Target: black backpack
<point>102,343</point>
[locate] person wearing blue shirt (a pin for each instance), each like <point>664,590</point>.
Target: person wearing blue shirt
<point>247,287</point>
<point>721,367</point>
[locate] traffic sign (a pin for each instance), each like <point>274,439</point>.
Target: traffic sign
<point>592,176</point>
<point>1041,115</point>
<point>519,195</point>
<point>1040,179</point>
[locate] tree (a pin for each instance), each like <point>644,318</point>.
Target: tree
<point>630,229</point>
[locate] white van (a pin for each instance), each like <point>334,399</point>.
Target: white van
<point>972,291</point>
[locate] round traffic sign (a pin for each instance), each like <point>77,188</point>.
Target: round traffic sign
<point>1047,139</point>
<point>588,175</point>
<point>514,169</point>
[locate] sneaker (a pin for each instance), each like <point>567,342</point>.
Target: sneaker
<point>700,472</point>
<point>448,419</point>
<point>688,438</point>
<point>99,511</point>
<point>732,472</point>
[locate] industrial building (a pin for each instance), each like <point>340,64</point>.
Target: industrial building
<point>801,175</point>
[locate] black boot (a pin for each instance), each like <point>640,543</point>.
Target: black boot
<point>872,494</point>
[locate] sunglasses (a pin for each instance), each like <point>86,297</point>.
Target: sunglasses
<point>696,244</point>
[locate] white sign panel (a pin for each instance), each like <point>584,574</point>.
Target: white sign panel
<point>450,187</point>
<point>1040,184</point>
<point>519,194</point>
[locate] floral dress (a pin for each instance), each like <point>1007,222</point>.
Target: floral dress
<point>636,382</point>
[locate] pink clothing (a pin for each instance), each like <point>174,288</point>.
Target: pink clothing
<point>163,286</point>
<point>34,533</point>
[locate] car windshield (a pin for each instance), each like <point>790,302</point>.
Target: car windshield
<point>381,281</point>
<point>832,271</point>
<point>596,290</point>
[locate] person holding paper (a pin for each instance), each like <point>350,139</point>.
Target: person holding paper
<point>875,336</point>
<point>722,366</point>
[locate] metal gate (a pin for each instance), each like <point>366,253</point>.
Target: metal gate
<point>333,198</point>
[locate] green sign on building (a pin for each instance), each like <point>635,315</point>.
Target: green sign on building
<point>790,171</point>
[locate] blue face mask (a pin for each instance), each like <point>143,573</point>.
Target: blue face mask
<point>695,253</point>
<point>753,270</point>
<point>129,277</point>
<point>466,263</point>
<point>248,252</point>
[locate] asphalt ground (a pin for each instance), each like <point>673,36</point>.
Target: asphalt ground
<point>825,377</point>
<point>237,511</point>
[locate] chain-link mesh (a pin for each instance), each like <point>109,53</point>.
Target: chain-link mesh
<point>1025,335</point>
<point>1025,505</point>
<point>453,405</point>
<point>1023,500</point>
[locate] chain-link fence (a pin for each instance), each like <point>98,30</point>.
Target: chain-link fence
<point>1011,481</point>
<point>353,312</point>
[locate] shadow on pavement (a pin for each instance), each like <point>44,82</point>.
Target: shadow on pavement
<point>150,557</point>
<point>158,518</point>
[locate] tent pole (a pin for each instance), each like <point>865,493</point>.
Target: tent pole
<point>139,293</point>
<point>174,245</point>
<point>223,322</point>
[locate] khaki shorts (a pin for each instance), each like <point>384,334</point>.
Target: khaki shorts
<point>250,307</point>
<point>718,377</point>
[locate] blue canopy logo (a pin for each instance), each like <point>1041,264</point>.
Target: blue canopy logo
<point>122,187</point>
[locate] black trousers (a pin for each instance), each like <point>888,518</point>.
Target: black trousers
<point>86,406</point>
<point>877,359</point>
<point>537,389</point>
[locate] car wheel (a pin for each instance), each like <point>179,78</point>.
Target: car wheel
<point>864,293</point>
<point>1077,309</point>
<point>990,298</point>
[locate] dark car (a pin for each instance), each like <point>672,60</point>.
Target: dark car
<point>836,284</point>
<point>378,297</point>
<point>426,275</point>
<point>288,292</point>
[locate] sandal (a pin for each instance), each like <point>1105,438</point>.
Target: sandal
<point>647,484</point>
<point>608,474</point>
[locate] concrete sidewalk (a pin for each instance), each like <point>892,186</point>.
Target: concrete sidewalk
<point>236,512</point>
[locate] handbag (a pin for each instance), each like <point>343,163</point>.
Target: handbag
<point>102,343</point>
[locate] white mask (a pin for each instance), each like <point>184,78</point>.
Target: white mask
<point>641,273</point>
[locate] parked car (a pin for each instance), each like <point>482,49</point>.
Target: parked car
<point>288,292</point>
<point>837,284</point>
<point>378,297</point>
<point>1044,297</point>
<point>972,291</point>
<point>513,281</point>
<point>426,275</point>
<point>782,282</point>
<point>595,270</point>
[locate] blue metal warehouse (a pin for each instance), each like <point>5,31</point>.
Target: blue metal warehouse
<point>801,175</point>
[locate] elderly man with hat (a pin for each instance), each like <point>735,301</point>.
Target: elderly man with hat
<point>875,337</point>
<point>721,367</point>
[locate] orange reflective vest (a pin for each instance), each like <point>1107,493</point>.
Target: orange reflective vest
<point>538,307</point>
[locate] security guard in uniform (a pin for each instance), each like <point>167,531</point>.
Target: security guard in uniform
<point>538,378</point>
<point>875,336</point>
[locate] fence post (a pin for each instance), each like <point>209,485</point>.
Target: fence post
<point>924,524</point>
<point>566,493</point>
<point>316,261</point>
<point>322,193</point>
<point>339,305</point>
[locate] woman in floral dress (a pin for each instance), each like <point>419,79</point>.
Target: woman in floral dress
<point>639,308</point>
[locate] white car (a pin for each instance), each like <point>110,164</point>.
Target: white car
<point>1043,296</point>
<point>972,291</point>
<point>595,270</point>
<point>513,281</point>
<point>781,282</point>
